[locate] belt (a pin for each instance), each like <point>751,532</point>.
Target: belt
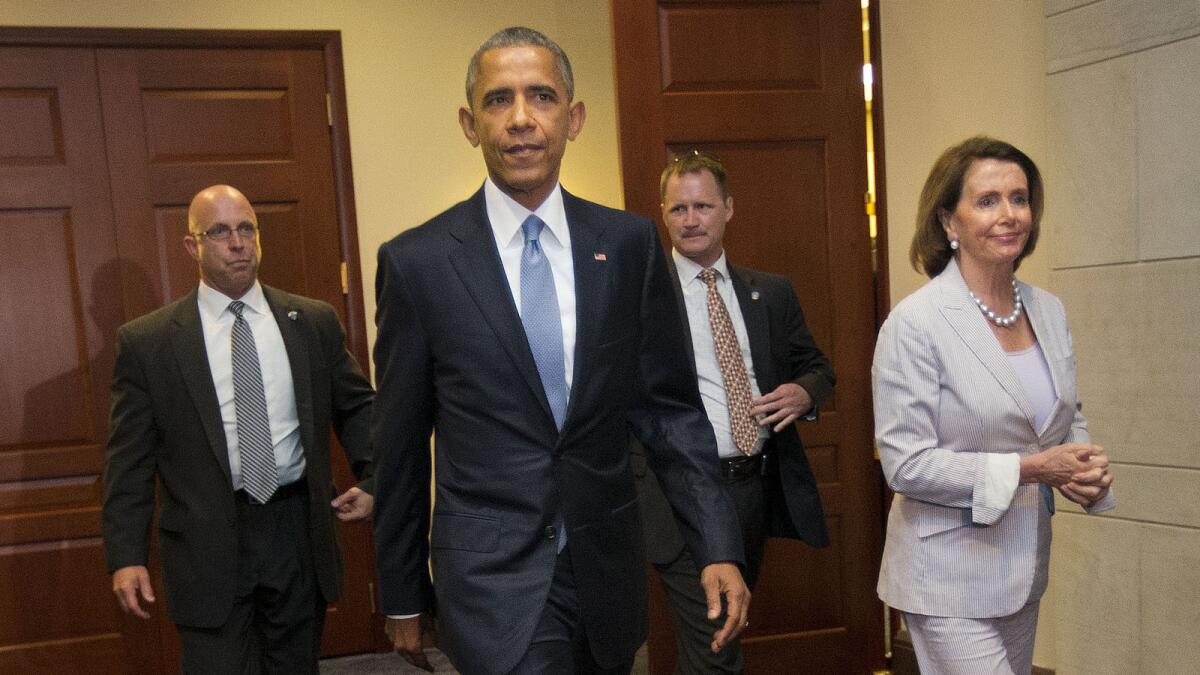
<point>738,468</point>
<point>293,489</point>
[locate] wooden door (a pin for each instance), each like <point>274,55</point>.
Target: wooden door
<point>179,120</point>
<point>774,89</point>
<point>103,148</point>
<point>58,264</point>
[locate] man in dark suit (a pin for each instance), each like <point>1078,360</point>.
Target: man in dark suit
<point>758,371</point>
<point>227,397</point>
<point>531,330</point>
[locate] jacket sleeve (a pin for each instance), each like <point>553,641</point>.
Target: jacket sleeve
<point>352,397</point>
<point>129,465</point>
<point>668,419</point>
<point>807,364</point>
<point>906,387</point>
<point>402,421</point>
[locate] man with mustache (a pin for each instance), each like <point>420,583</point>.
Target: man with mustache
<point>531,331</point>
<point>226,398</point>
<point>759,371</point>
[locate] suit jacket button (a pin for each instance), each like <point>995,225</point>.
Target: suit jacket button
<point>551,532</point>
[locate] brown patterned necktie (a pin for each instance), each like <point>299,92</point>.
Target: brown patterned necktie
<point>733,368</point>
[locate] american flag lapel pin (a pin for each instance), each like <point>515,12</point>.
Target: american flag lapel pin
<point>600,256</point>
<point>293,315</point>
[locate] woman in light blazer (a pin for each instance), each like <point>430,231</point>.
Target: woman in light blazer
<point>977,419</point>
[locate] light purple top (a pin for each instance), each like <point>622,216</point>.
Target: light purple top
<point>1034,373</point>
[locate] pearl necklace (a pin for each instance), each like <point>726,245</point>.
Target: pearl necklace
<point>1002,321</point>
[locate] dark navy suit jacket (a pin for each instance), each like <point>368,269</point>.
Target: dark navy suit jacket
<point>452,358</point>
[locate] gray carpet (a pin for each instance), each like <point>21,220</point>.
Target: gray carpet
<point>392,664</point>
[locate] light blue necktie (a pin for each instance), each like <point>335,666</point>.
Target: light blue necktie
<point>543,329</point>
<point>255,451</point>
<point>539,314</point>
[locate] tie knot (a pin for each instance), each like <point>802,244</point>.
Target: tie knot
<point>532,227</point>
<point>237,307</point>
<point>709,276</point>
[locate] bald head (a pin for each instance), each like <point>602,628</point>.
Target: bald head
<point>223,239</point>
<point>210,198</point>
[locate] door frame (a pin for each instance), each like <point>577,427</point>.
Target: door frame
<point>330,44</point>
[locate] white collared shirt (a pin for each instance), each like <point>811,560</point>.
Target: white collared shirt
<point>506,216</point>
<point>708,369</point>
<point>217,323</point>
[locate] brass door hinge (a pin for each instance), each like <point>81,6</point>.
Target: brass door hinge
<point>328,109</point>
<point>345,280</point>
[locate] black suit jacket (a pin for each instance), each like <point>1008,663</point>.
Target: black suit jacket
<point>783,350</point>
<point>452,358</point>
<point>166,424</point>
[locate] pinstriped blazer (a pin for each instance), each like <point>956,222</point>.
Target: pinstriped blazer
<point>945,395</point>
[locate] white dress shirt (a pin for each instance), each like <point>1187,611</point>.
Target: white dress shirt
<point>217,323</point>
<point>506,216</point>
<point>708,369</point>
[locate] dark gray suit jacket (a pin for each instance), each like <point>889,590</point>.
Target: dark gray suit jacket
<point>453,359</point>
<point>166,424</point>
<point>783,350</point>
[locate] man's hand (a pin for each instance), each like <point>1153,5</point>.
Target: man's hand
<point>725,579</point>
<point>353,504</point>
<point>406,638</point>
<point>781,407</point>
<point>127,582</point>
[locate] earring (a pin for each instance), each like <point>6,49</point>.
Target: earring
<point>953,244</point>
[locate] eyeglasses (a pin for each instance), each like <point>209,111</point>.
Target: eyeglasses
<point>222,232</point>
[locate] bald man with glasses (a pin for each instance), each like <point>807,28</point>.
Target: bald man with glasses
<point>225,399</point>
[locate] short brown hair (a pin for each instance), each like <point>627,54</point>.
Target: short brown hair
<point>930,251</point>
<point>694,161</point>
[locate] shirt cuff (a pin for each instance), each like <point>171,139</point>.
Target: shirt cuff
<point>402,616</point>
<point>1002,474</point>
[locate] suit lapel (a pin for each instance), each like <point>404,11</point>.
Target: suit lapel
<point>477,262</point>
<point>754,314</point>
<point>187,342</point>
<point>1050,351</point>
<point>591,282</point>
<point>964,317</point>
<point>297,347</point>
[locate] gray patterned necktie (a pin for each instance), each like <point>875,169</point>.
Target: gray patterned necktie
<point>257,455</point>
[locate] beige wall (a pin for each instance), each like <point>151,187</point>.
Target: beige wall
<point>405,62</point>
<point>1123,91</point>
<point>951,70</point>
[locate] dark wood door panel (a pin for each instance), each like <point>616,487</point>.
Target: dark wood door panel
<point>747,47</point>
<point>774,89</point>
<point>58,318</point>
